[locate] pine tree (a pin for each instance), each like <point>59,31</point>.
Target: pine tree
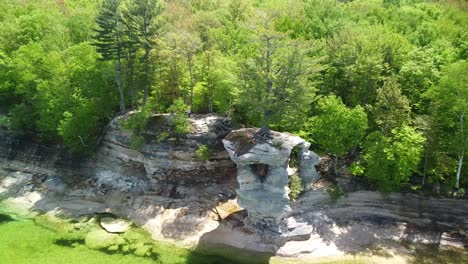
<point>109,39</point>
<point>145,16</point>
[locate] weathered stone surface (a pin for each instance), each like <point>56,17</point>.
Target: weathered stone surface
<point>307,171</point>
<point>16,182</point>
<point>55,184</point>
<point>262,171</point>
<point>113,225</point>
<point>297,231</point>
<point>118,167</point>
<point>227,208</point>
<point>163,160</point>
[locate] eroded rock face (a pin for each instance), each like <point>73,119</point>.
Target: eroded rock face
<point>262,172</point>
<point>37,178</point>
<point>159,165</point>
<point>307,171</point>
<point>163,160</point>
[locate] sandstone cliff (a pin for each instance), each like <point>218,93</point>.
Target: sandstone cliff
<point>165,189</point>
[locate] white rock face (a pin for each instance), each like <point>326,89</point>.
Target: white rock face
<point>113,225</point>
<point>308,173</point>
<point>262,172</point>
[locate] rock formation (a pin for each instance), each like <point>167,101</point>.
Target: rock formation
<point>159,166</point>
<point>262,172</point>
<point>164,189</point>
<point>163,161</point>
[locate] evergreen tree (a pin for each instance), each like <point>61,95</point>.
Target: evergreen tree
<point>109,39</point>
<point>392,109</point>
<point>145,16</point>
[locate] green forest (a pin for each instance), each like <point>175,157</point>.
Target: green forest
<point>382,81</point>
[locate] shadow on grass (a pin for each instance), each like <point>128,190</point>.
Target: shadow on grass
<point>226,255</point>
<point>434,254</point>
<point>73,242</point>
<point>5,218</point>
<point>69,242</point>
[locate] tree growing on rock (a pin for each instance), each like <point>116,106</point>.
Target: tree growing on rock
<point>179,121</point>
<point>336,128</point>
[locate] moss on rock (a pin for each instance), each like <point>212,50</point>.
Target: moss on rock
<point>100,239</point>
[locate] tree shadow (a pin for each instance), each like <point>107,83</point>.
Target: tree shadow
<point>241,250</point>
<point>6,218</point>
<point>69,242</point>
<point>222,253</point>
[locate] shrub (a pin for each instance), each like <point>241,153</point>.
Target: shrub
<point>335,193</point>
<point>179,120</point>
<point>390,161</point>
<point>460,193</point>
<point>136,141</point>
<point>137,121</point>
<point>294,158</point>
<point>203,152</point>
<point>295,186</point>
<point>163,136</point>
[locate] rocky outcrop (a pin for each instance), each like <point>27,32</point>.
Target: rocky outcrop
<point>160,165</point>
<point>307,171</point>
<point>25,154</point>
<point>198,210</point>
<point>262,172</point>
<point>163,160</point>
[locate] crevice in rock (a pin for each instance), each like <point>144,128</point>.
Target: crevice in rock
<point>260,170</point>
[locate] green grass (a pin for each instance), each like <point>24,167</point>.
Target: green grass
<point>24,242</point>
<point>47,240</point>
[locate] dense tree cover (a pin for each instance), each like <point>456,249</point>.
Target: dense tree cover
<point>386,79</point>
<point>391,160</point>
<point>336,127</point>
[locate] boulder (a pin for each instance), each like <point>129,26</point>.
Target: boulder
<point>113,225</point>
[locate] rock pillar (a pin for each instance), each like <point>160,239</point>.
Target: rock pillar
<point>262,172</point>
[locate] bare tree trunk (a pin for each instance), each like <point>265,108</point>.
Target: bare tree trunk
<point>462,152</point>
<point>460,164</point>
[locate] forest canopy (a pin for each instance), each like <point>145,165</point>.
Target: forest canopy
<point>386,79</point>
